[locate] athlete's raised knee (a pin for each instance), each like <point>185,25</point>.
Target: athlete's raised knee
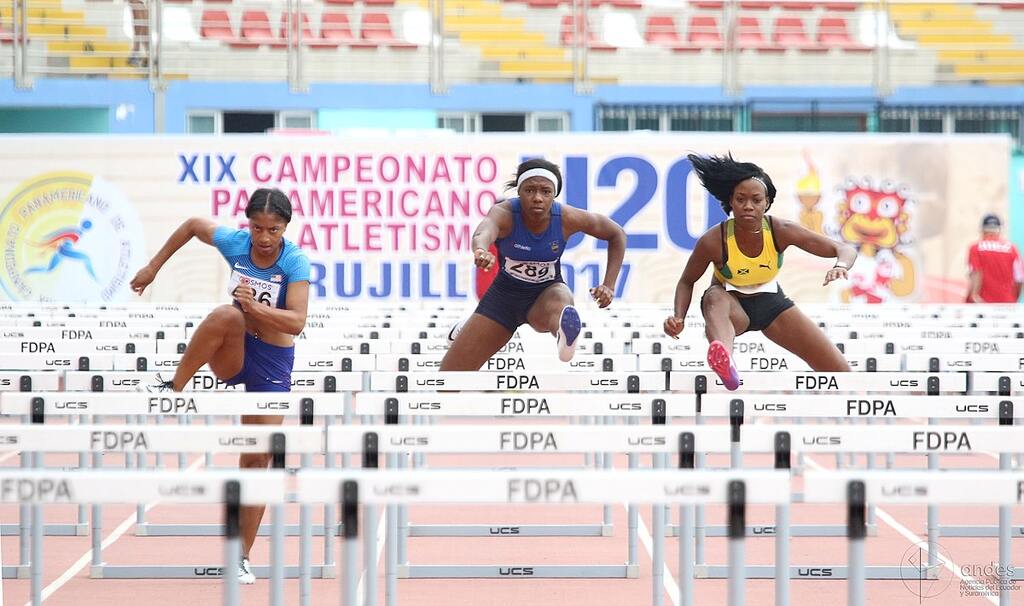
<point>714,298</point>
<point>228,316</point>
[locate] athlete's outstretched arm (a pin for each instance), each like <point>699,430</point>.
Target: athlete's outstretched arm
<point>602,228</point>
<point>290,320</point>
<point>789,233</point>
<point>696,265</point>
<point>497,224</point>
<point>196,227</point>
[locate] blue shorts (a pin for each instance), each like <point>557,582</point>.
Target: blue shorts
<point>266,367</point>
<point>508,303</point>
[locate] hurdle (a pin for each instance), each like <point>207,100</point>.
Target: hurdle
<point>303,405</point>
<point>392,406</point>
<point>1000,488</point>
<point>736,488</point>
<point>36,488</point>
<point>834,406</point>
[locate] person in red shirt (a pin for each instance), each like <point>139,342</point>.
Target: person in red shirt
<point>996,270</point>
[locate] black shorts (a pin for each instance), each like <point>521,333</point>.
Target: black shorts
<point>762,308</point>
<point>508,303</point>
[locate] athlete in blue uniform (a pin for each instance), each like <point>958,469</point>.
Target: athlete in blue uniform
<point>530,232</point>
<point>251,340</point>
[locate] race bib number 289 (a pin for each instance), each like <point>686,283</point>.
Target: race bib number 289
<point>263,291</point>
<point>530,271</point>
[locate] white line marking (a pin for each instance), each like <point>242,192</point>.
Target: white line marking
<point>645,537</point>
<point>86,558</point>
<point>361,590</point>
<point>915,540</point>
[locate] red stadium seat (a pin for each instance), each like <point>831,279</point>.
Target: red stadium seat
<point>789,32</point>
<point>842,6</point>
<point>708,4</point>
<point>593,42</point>
<point>340,2</point>
<point>375,30</point>
<point>661,31</point>
<point>335,30</point>
<point>703,33</point>
<point>308,37</point>
<point>543,3</point>
<point>216,25</point>
<point>756,5</point>
<point>255,30</point>
<point>805,5</point>
<point>379,2</point>
<point>833,33</point>
<point>750,37</point>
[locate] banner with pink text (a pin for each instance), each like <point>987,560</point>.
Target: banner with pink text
<point>391,218</point>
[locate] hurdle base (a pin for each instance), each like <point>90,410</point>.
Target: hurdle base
<point>977,531</point>
<point>216,530</point>
<point>817,573</point>
<point>510,530</point>
<point>16,572</point>
<point>768,530</point>
<point>115,571</point>
<point>518,571</point>
<point>50,530</point>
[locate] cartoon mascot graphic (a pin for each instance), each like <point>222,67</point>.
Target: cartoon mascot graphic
<point>876,219</point>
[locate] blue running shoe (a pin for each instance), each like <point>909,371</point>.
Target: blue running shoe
<point>569,326</point>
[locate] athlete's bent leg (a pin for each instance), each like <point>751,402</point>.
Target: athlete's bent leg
<point>799,334</point>
<point>724,318</point>
<point>553,312</point>
<point>478,340</point>
<point>219,341</point>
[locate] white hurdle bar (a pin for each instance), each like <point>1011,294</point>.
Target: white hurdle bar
<point>1002,488</point>
<point>37,488</point>
<point>545,487</point>
<point>185,405</point>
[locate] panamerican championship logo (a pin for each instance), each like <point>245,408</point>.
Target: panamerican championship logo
<point>68,236</point>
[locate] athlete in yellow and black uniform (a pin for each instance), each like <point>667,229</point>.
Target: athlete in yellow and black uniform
<point>746,251</point>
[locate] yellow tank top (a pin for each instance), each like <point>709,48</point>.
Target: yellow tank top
<point>740,270</point>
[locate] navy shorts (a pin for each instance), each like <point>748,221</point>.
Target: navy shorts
<point>508,304</point>
<point>266,367</point>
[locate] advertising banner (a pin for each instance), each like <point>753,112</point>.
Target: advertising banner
<point>391,218</point>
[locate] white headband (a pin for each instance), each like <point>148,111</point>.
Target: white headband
<point>761,181</point>
<point>538,172</point>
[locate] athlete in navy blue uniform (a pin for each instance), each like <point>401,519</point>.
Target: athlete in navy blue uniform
<point>530,232</point>
<point>250,341</point>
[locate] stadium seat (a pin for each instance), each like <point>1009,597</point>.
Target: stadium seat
<point>379,2</point>
<point>626,4</point>
<point>216,25</point>
<point>255,30</point>
<point>755,5</point>
<point>593,42</point>
<point>703,33</point>
<point>707,4</point>
<point>804,5</point>
<point>750,37</point>
<point>308,37</point>
<point>833,33</point>
<point>789,32</point>
<point>335,30</point>
<point>842,6</point>
<point>543,3</point>
<point>661,31</point>
<point>375,30</point>
<point>341,2</point>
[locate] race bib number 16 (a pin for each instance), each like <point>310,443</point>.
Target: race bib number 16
<point>530,271</point>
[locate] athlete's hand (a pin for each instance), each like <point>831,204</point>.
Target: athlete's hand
<point>673,326</point>
<point>603,295</point>
<point>142,279</point>
<point>483,259</point>
<point>835,274</point>
<point>245,297</point>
